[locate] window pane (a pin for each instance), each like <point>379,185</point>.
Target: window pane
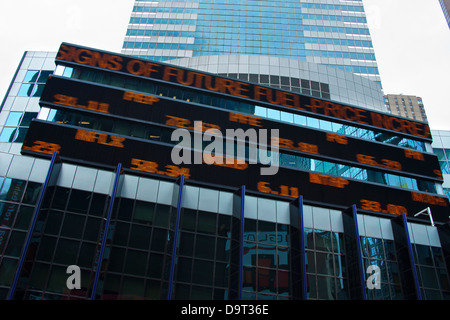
<point>68,72</point>
<point>7,213</point>
<point>26,90</point>
<point>12,190</point>
<point>73,226</point>
<point>27,117</point>
<point>7,271</point>
<point>92,229</point>
<point>444,167</point>
<point>205,247</point>
<point>439,153</point>
<point>66,252</point>
<point>287,117</point>
<point>139,237</point>
<point>136,263</point>
<point>98,204</point>
<point>203,272</point>
<point>22,132</point>
<point>32,192</point>
<point>273,114</point>
<point>13,119</point>
<point>57,280</point>
<point>87,254</point>
<point>207,222</point>
<point>15,243</point>
<point>162,215</point>
<point>31,76</point>
<point>38,90</point>
<point>260,111</point>
<point>143,212</point>
<point>53,224</point>
<point>79,201</point>
<point>447,153</point>
<point>299,119</point>
<point>159,239</point>
<point>7,134</point>
<point>43,76</point>
<point>60,198</point>
<point>155,266</point>
<point>188,219</point>
<point>24,217</point>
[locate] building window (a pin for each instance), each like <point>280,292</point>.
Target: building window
<point>380,253</point>
<point>443,157</point>
<point>325,265</point>
<point>17,200</point>
<point>447,192</point>
<point>16,126</point>
<point>202,270</point>
<point>266,270</point>
<point>432,273</point>
<point>33,83</point>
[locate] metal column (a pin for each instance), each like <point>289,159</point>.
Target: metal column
<point>297,250</point>
<point>115,189</point>
<point>353,254</point>
<point>180,184</point>
<point>406,263</point>
<point>237,245</point>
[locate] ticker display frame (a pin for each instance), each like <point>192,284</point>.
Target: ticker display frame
<point>144,157</point>
<point>366,118</point>
<point>315,143</point>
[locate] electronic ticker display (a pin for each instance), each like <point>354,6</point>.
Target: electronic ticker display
<point>88,146</point>
<point>72,54</point>
<point>319,144</point>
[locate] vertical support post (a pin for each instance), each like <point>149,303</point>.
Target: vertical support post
<point>50,179</point>
<point>241,242</point>
<point>180,183</point>
<point>407,266</point>
<point>353,254</point>
<point>297,252</point>
<point>114,191</point>
<point>237,246</point>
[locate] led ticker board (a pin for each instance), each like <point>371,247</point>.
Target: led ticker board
<point>77,55</point>
<point>63,93</point>
<point>87,146</point>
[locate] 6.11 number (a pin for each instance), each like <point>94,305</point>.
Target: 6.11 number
<point>282,190</point>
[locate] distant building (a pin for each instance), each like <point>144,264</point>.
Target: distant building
<point>445,4</point>
<point>406,106</point>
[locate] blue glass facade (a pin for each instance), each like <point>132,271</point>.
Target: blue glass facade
<point>330,33</point>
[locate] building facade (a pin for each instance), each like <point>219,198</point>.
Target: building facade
<point>94,182</point>
<point>441,147</point>
<point>315,48</point>
<point>406,106</point>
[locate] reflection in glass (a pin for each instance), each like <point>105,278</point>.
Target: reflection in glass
<point>8,134</point>
<point>13,119</point>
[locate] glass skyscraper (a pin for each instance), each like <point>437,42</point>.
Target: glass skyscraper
<point>266,35</point>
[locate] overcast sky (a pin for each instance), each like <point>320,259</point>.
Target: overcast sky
<point>410,37</point>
